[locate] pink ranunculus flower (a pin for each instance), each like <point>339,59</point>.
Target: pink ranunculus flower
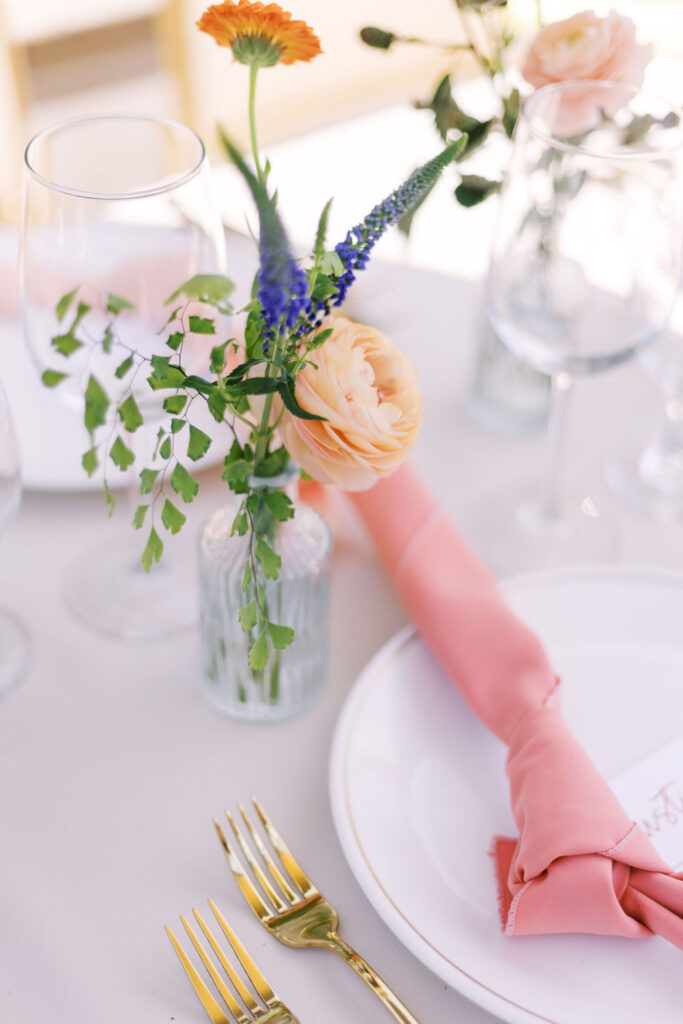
<point>368,393</point>
<point>586,47</point>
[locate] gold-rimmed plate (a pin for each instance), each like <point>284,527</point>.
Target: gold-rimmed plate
<point>418,791</point>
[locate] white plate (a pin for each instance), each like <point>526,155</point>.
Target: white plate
<point>418,791</point>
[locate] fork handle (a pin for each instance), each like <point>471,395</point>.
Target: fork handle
<point>372,978</point>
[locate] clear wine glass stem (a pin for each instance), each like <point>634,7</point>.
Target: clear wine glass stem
<point>551,494</point>
<point>661,464</point>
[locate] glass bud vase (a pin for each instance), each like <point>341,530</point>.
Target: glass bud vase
<point>298,598</point>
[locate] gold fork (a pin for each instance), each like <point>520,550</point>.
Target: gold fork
<point>265,1007</point>
<point>291,908</point>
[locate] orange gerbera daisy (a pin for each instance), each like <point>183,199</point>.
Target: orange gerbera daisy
<point>261,34</point>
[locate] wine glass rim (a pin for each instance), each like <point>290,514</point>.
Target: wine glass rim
<point>142,193</point>
<point>588,83</point>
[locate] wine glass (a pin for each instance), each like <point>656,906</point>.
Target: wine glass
<point>584,269</point>
<point>119,207</point>
<point>14,647</point>
<point>649,477</point>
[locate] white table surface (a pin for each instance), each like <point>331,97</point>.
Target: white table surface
<point>112,764</point>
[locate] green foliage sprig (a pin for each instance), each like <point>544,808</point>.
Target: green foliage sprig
<point>485,26</point>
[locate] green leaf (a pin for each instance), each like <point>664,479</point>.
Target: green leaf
<point>175,404</point>
<point>116,304</point>
<point>123,368</point>
<point>473,190</point>
<point>201,325</point>
<point>175,340</point>
<point>96,405</point>
<point>270,562</point>
<point>172,518</point>
<point>236,475</point>
<point>511,108</point>
<point>280,636</point>
<point>121,455</point>
<point>236,452</point>
<point>199,443</point>
<point>321,234</point>
<point>153,550</point>
<point>378,38</point>
<point>287,395</point>
<point>177,425</point>
<point>51,378</point>
<point>213,289</point>
<point>200,384</point>
<point>107,339</point>
<point>246,576</point>
<point>218,357</point>
<point>109,500</point>
<point>83,308</point>
<point>248,616</point>
<point>448,116</point>
<point>476,136</point>
<point>164,375</point>
<point>274,463</point>
<point>319,339</point>
<point>147,480</point>
<point>64,303</point>
<point>139,517</point>
<point>131,417</point>
<point>253,335</point>
<point>217,404</point>
<point>252,386</point>
<point>66,344</point>
<point>165,448</point>
<point>323,287</point>
<point>240,524</point>
<point>331,264</point>
<point>280,505</point>
<point>172,317</point>
<point>90,462</point>
<point>258,655</point>
<point>183,484</point>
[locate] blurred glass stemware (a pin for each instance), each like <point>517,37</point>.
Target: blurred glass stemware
<point>14,645</point>
<point>118,206</point>
<point>584,270</point>
<point>649,476</point>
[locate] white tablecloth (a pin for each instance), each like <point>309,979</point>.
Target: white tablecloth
<point>112,764</point>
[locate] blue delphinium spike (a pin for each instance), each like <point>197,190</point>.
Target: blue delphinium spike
<point>354,251</point>
<point>283,286</point>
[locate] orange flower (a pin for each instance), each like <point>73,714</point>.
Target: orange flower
<point>261,34</point>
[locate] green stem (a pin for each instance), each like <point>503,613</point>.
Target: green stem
<point>539,14</point>
<point>263,433</point>
<point>253,72</point>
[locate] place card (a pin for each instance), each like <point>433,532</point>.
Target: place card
<point>651,792</point>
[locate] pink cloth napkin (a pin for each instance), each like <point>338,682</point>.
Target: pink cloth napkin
<point>579,864</point>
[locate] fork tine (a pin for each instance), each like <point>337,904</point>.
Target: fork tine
<point>242,990</point>
<point>255,976</point>
<point>292,896</point>
<point>213,1010</point>
<point>248,891</point>
<point>273,896</point>
<point>230,1001</point>
<point>295,870</point>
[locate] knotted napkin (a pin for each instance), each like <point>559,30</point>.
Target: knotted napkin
<point>580,864</point>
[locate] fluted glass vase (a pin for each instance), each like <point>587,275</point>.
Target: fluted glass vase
<point>298,598</point>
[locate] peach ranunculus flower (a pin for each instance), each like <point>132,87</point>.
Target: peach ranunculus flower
<point>586,47</point>
<point>368,393</point>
